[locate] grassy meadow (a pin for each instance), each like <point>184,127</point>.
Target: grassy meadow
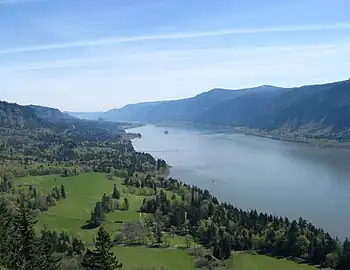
<point>261,262</point>
<point>83,191</point>
<point>154,258</point>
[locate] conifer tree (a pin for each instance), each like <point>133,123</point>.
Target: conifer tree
<point>63,191</point>
<point>126,203</point>
<point>46,249</point>
<point>116,194</point>
<point>101,258</point>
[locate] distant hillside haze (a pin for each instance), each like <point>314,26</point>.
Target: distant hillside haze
<point>86,115</point>
<point>19,118</point>
<point>15,116</point>
<point>313,108</point>
<point>50,114</point>
<point>182,110</point>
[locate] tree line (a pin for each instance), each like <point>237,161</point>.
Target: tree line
<point>105,205</point>
<point>224,228</point>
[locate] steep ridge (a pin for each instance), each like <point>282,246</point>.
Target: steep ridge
<point>323,105</point>
<point>50,114</point>
<point>16,116</point>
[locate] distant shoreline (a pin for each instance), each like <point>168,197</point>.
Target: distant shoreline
<point>296,138</point>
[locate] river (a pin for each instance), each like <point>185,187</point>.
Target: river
<point>282,178</point>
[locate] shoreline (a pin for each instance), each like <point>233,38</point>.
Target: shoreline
<point>313,142</point>
<point>185,178</point>
<point>296,138</point>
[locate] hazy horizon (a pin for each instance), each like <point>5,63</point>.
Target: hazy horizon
<point>101,111</point>
<point>96,56</point>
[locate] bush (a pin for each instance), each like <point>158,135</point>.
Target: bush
<point>202,262</point>
<point>197,252</point>
<point>119,238</point>
<point>109,177</point>
<point>36,213</point>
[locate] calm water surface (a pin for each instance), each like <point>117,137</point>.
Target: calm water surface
<point>282,178</point>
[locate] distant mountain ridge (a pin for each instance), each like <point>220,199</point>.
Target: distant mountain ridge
<point>184,110</point>
<point>312,109</point>
<point>16,116</point>
<point>50,114</point>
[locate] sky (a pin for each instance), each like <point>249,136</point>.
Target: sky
<point>95,55</point>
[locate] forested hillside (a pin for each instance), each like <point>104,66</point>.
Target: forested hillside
<point>185,110</point>
<point>45,145</point>
<point>16,116</point>
<point>316,111</point>
<point>50,114</point>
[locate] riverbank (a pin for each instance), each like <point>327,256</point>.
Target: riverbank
<point>284,134</point>
<point>252,172</point>
<point>292,137</point>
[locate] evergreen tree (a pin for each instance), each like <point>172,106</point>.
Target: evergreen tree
<point>217,252</point>
<point>126,203</point>
<point>101,258</point>
<point>116,194</point>
<point>126,181</point>
<point>98,215</point>
<point>22,251</point>
<point>225,244</point>
<point>344,261</point>
<point>34,192</point>
<point>5,228</point>
<point>56,193</point>
<point>105,201</point>
<point>159,235</point>
<point>46,259</point>
<point>63,191</point>
<point>78,246</point>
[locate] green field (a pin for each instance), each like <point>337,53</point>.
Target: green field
<point>260,262</point>
<point>85,190</point>
<point>169,259</point>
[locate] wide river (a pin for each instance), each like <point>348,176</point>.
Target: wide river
<point>282,178</point>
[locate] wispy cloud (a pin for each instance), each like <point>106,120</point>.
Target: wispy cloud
<point>187,35</point>
<point>183,57</point>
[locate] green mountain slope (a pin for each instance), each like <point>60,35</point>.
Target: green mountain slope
<point>50,114</point>
<point>184,110</point>
<point>319,106</point>
<point>15,116</point>
<point>314,110</point>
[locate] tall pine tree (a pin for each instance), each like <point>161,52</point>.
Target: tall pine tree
<point>22,251</point>
<point>116,194</point>
<point>101,258</point>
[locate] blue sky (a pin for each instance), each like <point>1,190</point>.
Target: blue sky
<point>92,55</point>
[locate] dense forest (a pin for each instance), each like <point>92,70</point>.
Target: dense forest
<point>32,144</point>
<point>313,111</point>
